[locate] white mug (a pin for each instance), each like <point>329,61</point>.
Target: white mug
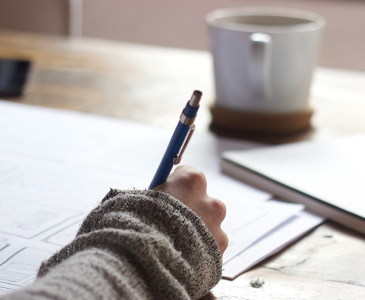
<point>264,58</point>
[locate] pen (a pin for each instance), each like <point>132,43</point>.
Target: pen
<point>179,140</point>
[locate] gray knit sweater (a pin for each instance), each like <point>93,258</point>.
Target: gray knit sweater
<point>134,245</point>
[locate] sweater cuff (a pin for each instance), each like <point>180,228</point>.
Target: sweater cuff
<point>150,226</point>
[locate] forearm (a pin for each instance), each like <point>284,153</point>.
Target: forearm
<point>134,245</point>
<point>89,274</point>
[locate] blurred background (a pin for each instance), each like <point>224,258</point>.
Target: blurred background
<point>180,23</point>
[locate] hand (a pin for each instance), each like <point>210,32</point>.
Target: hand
<point>189,185</point>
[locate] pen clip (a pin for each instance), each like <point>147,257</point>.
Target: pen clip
<point>179,156</point>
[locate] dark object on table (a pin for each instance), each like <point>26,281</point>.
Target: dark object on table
<point>257,283</point>
<point>272,128</point>
<point>13,76</point>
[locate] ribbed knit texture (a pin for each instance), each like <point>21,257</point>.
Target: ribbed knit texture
<point>134,245</point>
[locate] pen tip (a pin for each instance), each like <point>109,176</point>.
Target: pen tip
<point>198,93</point>
<point>195,98</point>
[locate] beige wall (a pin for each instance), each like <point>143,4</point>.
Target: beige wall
<point>180,23</point>
<point>45,16</point>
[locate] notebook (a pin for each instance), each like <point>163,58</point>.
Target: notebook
<point>328,177</point>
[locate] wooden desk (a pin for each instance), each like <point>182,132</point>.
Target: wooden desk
<point>150,85</point>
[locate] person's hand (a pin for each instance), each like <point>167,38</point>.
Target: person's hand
<point>189,185</point>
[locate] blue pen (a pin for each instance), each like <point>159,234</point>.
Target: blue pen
<point>176,147</point>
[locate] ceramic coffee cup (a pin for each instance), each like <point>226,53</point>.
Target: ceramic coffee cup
<point>264,58</point>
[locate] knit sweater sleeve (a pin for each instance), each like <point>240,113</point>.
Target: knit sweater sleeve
<point>134,245</point>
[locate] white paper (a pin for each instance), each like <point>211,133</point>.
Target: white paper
<point>65,235</point>
<point>2,245</point>
<point>4,290</point>
<point>27,220</point>
<point>271,243</point>
<point>303,165</point>
<point>22,267</point>
<point>55,166</point>
<point>255,222</point>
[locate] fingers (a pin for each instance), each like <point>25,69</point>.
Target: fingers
<point>221,239</point>
<point>186,184</point>
<point>214,209</point>
<point>189,185</point>
<point>212,212</point>
<point>189,179</point>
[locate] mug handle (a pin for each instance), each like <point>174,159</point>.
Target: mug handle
<point>261,46</point>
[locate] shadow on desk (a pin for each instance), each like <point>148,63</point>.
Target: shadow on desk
<point>208,296</point>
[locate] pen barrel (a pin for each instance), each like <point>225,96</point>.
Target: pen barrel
<point>171,152</point>
<point>190,111</point>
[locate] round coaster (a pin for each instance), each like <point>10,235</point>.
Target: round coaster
<point>261,123</point>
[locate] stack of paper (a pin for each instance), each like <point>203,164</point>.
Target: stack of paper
<point>271,243</point>
<point>55,166</point>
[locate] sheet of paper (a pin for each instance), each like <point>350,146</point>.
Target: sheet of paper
<point>256,221</point>
<point>22,267</point>
<point>65,235</point>
<point>273,242</point>
<point>55,166</point>
<point>20,260</point>
<point>26,219</point>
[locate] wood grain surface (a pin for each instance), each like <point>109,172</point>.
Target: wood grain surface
<point>150,85</point>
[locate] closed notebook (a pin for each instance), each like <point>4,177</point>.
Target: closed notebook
<point>328,177</point>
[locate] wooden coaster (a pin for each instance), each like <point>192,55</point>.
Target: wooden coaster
<point>271,128</point>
